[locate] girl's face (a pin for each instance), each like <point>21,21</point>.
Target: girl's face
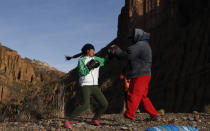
<point>91,52</point>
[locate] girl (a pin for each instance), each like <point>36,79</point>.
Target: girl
<point>88,69</point>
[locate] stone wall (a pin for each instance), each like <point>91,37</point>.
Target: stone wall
<point>181,66</point>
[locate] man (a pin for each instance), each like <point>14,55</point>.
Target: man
<point>139,56</point>
<point>88,69</point>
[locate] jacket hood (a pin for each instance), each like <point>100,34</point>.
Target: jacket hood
<point>140,35</point>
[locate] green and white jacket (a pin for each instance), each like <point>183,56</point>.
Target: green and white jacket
<point>89,77</point>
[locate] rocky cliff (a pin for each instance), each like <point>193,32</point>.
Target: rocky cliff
<point>181,60</point>
<point>180,31</point>
<point>27,87</point>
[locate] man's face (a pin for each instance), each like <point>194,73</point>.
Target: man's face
<point>131,37</point>
<point>91,52</point>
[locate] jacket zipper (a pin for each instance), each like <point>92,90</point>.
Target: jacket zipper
<point>92,77</point>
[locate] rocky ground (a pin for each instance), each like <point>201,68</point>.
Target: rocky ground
<point>112,122</point>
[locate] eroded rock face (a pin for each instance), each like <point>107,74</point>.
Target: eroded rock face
<point>13,66</point>
<point>180,31</point>
<point>20,70</point>
<point>28,87</point>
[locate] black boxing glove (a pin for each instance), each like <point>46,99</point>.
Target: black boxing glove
<point>92,64</point>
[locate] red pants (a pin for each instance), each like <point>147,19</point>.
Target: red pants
<point>137,92</point>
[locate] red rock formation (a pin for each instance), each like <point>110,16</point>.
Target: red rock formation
<point>13,66</point>
<point>22,81</point>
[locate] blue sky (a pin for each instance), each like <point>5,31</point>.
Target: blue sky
<point>47,30</point>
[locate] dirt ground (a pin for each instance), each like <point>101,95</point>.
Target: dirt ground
<point>112,122</point>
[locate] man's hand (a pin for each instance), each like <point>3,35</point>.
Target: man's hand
<point>92,64</point>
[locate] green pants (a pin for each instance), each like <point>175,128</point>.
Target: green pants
<point>86,92</point>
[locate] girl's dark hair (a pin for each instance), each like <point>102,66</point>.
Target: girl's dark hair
<point>86,47</point>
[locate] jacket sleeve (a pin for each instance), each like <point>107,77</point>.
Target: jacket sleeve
<point>129,54</point>
<point>82,68</point>
<point>102,61</point>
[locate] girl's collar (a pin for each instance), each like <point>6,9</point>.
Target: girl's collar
<point>89,56</point>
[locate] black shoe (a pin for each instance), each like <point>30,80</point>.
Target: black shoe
<point>157,118</point>
<point>126,117</point>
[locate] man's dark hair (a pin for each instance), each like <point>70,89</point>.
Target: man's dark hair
<point>87,47</point>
